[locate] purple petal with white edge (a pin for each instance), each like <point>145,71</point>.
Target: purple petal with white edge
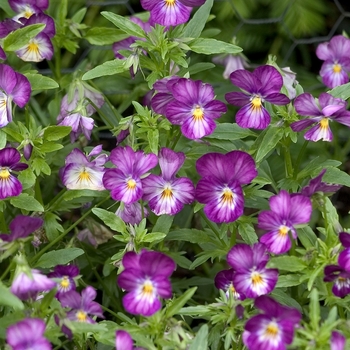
<point>319,132</point>
<point>49,29</point>
<point>76,156</point>
<point>270,79</point>
<point>337,341</point>
<point>253,117</point>
<point>305,105</point>
<point>8,78</point>
<point>144,162</point>
<point>344,238</point>
<point>21,92</point>
<point>193,3</point>
<point>302,124</point>
<point>123,340</point>
<point>331,78</point>
<point>22,226</point>
<point>245,80</point>
<point>344,259</point>
<point>169,14</point>
<point>71,299</point>
<point>342,117</point>
<point>65,270</point>
<point>137,303</point>
<point>160,102</point>
<point>194,128</point>
<point>277,99</point>
<point>37,49</point>
<point>123,158</point>
<point>331,109</point>
<point>327,100</point>
<point>340,46</point>
<point>276,242</point>
<point>281,204</point>
<point>300,209</point>
<point>10,187</point>
<point>239,99</point>
<point>170,162</point>
<point>155,263</point>
<point>324,52</point>
<point>223,279</point>
<point>148,4</point>
<point>163,286</point>
<point>268,220</point>
<point>5,110</point>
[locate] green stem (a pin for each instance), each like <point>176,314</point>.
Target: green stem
<point>8,269</point>
<point>3,226</point>
<point>38,195</point>
<point>61,236</point>
<point>300,157</point>
<point>288,158</point>
<point>211,226</point>
<point>112,313</point>
<point>56,200</point>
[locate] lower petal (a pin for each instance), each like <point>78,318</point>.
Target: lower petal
<point>253,117</point>
<point>10,187</point>
<point>276,243</point>
<point>170,14</point>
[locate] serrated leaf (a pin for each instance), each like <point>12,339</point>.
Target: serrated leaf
<point>8,299</point>
<point>154,237</point>
<point>110,219</point>
<point>40,82</point>
<point>26,202</point>
<point>58,257</point>
<point>39,165</point>
<point>269,142</point>
<point>287,263</point>
<point>55,133</point>
<point>179,302</point>
<point>212,46</point>
<point>336,176</point>
<point>342,91</point>
<point>51,225</point>
<point>108,68</point>
<point>201,339</point>
<point>247,232</point>
<point>104,36</point>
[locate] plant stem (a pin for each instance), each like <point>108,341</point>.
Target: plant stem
<point>300,157</point>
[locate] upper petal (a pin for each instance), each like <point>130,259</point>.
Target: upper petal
<point>270,78</point>
<point>245,80</point>
<point>305,105</point>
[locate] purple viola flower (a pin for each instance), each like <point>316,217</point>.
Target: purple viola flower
<point>286,212</point>
<point>64,277</point>
<point>263,84</point>
<point>13,87</point>
<point>167,194</point>
<point>289,81</point>
<point>316,185</point>
<point>9,162</point>
<point>26,8</point>
<point>146,278</point>
<point>194,108</point>
<point>27,334</point>
<point>82,305</point>
<point>28,285</point>
<point>328,108</point>
<point>21,227</point>
<point>273,329</point>
<point>81,172</point>
<point>224,280</point>
<point>170,12</point>
<point>231,63</point>
<point>221,189</point>
<point>337,341</point>
<point>341,279</point>
<point>336,65</point>
<point>344,256</point>
<point>123,341</point>
<point>131,213</point>
<point>125,182</point>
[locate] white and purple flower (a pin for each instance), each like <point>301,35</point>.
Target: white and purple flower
<point>64,277</point>
<point>341,279</point>
<point>224,280</point>
<point>263,84</point>
<point>321,113</point>
<point>26,8</point>
<point>131,213</point>
<point>167,194</point>
<point>286,212</point>
<point>146,278</point>
<point>221,185</point>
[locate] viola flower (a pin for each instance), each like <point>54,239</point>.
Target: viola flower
<point>26,8</point>
<point>231,63</point>
<point>9,162</point>
<point>170,12</point>
<point>27,286</point>
<point>27,334</point>
<point>125,182</point>
<point>224,280</point>
<point>251,277</point>
<point>263,84</point>
<point>131,213</point>
<point>221,189</point>
<point>341,279</point>
<point>194,108</point>
<point>80,172</point>
<point>344,256</point>
<point>13,87</point>
<point>82,305</point>
<point>336,65</point>
<point>316,185</point>
<point>64,277</point>
<point>286,211</point>
<point>167,194</point>
<point>273,329</point>
<point>337,341</point>
<point>123,341</point>
<point>327,109</point>
<point>146,278</point>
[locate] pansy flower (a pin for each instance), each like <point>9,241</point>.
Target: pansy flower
<point>341,279</point>
<point>194,108</point>
<point>131,213</point>
<point>64,277</point>
<point>316,185</point>
<point>220,188</point>
<point>146,278</point>
<point>263,84</point>
<point>224,280</point>
<point>286,212</point>
<point>336,65</point>
<point>167,194</point>
<point>337,341</point>
<point>320,112</point>
<point>26,8</point>
<point>125,182</point>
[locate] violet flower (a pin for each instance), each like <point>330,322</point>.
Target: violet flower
<point>13,87</point>
<point>327,109</point>
<point>170,12</point>
<point>9,162</point>
<point>81,172</point>
<point>220,187</point>
<point>344,256</point>
<point>123,341</point>
<point>251,277</point>
<point>336,65</point>
<point>27,334</point>
<point>64,277</point>
<point>82,305</point>
<point>194,108</point>
<point>263,84</point>
<point>26,8</point>
<point>131,213</point>
<point>167,194</point>
<point>27,285</point>
<point>286,212</point>
<point>224,280</point>
<point>231,63</point>
<point>125,182</point>
<point>273,329</point>
<point>316,185</point>
<point>337,341</point>
<point>341,279</point>
<point>146,278</point>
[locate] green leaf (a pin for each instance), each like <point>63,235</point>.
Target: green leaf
<point>191,235</point>
<point>3,139</point>
<point>212,46</point>
<point>196,25</point>
<point>342,91</point>
<point>230,131</point>
<point>110,219</point>
<point>52,227</point>
<point>247,232</point>
<point>175,306</point>
<point>287,263</point>
<point>307,237</point>
<point>72,194</point>
<point>269,141</point>
<point>84,327</point>
<point>163,224</point>
<point>288,281</point>
<point>26,202</point>
<point>201,339</point>
<point>153,140</point>
<point>20,37</point>
<point>58,257</point>
<point>39,82</point>
<point>285,299</point>
<point>48,147</point>
<point>27,178</point>
<point>57,132</point>
<point>39,165</point>
<point>78,16</point>
<point>107,68</point>
<point>104,36</point>
<point>154,237</point>
<point>8,299</point>
<point>336,176</point>
<point>124,24</point>
<point>314,309</point>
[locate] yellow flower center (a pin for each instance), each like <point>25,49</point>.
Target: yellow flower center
<point>337,68</point>
<point>324,123</point>
<point>131,183</point>
<point>81,316</point>
<point>271,330</point>
<point>84,176</point>
<point>167,193</point>
<point>227,196</point>
<point>33,47</point>
<point>198,113</point>
<point>256,102</point>
<point>256,278</point>
<point>283,231</point>
<point>65,282</point>
<point>170,2</point>
<point>28,13</point>
<point>3,103</point>
<point>147,287</point>
<point>232,288</point>
<point>4,174</point>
